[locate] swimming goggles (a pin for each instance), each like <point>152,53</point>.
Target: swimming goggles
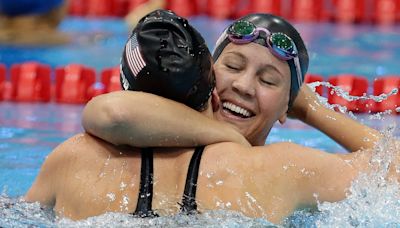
<point>280,44</point>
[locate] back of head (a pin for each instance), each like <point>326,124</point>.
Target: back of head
<point>166,56</point>
<point>274,24</point>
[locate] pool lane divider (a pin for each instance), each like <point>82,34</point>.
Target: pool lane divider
<point>73,83</point>
<point>30,82</point>
<point>381,12</point>
<point>77,84</point>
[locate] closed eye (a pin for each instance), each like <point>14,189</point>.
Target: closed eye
<point>233,67</point>
<point>267,82</point>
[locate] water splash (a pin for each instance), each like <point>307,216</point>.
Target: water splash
<point>17,213</point>
<point>345,95</point>
<point>373,199</point>
<point>215,219</point>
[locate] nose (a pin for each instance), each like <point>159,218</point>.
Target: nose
<point>244,85</point>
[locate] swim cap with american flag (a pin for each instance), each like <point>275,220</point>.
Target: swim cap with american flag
<point>166,56</point>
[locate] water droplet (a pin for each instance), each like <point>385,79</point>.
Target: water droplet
<point>164,43</point>
<point>111,196</point>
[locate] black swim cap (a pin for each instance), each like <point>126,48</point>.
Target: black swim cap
<point>166,56</point>
<point>274,24</point>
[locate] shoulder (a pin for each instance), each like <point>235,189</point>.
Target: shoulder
<point>67,153</point>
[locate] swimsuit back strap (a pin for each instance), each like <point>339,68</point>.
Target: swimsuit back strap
<point>144,202</point>
<point>189,204</point>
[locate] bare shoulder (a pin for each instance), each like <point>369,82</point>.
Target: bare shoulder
<point>45,186</point>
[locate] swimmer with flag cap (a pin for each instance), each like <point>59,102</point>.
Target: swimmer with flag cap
<point>164,55</point>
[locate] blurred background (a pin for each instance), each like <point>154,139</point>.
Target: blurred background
<point>71,52</point>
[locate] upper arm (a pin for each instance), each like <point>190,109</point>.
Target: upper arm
<point>322,176</point>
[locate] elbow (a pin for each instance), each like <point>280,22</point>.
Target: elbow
<point>101,115</point>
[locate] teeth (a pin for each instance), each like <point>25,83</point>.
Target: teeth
<point>237,109</point>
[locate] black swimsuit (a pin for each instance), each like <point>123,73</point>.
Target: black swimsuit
<point>188,205</point>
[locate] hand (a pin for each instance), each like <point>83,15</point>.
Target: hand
<point>305,102</point>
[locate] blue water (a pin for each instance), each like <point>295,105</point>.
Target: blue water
<point>28,132</point>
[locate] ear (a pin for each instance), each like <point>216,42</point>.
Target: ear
<point>215,100</point>
<point>283,118</point>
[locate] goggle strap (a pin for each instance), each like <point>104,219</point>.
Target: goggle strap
<point>221,39</point>
<point>298,71</point>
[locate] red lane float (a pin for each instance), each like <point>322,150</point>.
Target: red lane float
<point>120,8</point>
<point>184,8</point>
<point>110,79</point>
<point>267,6</point>
<point>77,7</point>
<point>355,86</point>
<point>221,9</point>
<point>315,78</point>
<point>2,80</point>
<point>30,82</point>
<point>99,8</point>
<point>386,11</point>
<point>349,11</point>
<point>73,83</point>
<point>257,6</point>
<point>386,85</point>
<point>102,8</point>
<point>306,10</point>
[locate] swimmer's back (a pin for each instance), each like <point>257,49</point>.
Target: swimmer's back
<point>92,177</point>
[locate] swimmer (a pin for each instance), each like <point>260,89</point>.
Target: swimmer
<point>32,22</point>
<point>255,91</point>
<point>86,176</point>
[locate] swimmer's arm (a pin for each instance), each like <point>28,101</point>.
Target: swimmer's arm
<point>146,120</point>
<point>349,133</point>
<point>317,176</point>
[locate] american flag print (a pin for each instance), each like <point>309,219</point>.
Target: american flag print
<point>133,56</point>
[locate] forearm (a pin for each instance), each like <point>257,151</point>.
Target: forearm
<point>145,120</point>
<point>347,132</point>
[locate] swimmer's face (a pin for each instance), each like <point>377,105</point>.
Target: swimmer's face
<point>253,86</point>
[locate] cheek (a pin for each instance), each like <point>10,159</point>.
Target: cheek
<point>221,80</point>
<point>273,101</point>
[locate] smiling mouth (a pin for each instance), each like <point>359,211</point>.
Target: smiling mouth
<point>236,110</point>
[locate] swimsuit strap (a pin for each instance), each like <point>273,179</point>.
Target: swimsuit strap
<point>144,202</point>
<point>189,204</point>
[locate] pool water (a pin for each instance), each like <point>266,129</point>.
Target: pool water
<point>28,131</point>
